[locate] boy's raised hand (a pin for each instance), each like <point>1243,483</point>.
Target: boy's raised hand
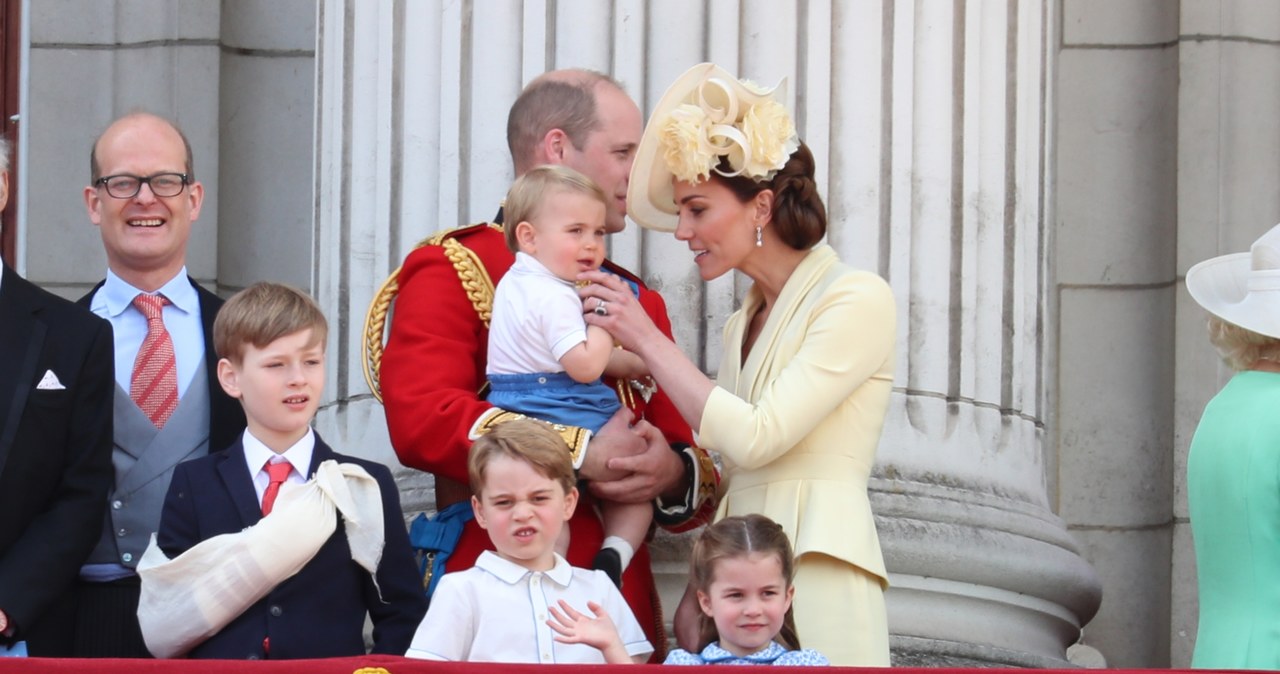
<point>596,630</point>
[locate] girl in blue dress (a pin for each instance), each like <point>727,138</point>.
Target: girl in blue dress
<point>742,568</point>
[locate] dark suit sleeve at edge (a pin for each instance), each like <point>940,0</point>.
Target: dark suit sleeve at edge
<point>54,545</point>
<point>403,603</point>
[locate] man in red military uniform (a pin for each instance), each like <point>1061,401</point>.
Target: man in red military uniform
<point>433,366</point>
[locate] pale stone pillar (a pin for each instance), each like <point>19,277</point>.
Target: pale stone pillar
<point>932,133</point>
<point>982,569</point>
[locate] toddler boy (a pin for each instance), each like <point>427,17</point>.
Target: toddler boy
<point>544,360</point>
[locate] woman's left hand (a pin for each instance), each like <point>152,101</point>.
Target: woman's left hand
<point>609,303</point>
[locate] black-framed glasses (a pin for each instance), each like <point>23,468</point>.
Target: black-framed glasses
<point>126,186</point>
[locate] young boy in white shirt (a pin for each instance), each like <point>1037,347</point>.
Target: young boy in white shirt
<point>522,603</point>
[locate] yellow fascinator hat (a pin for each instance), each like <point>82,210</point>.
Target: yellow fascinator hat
<point>705,117</point>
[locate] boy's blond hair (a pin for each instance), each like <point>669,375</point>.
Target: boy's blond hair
<point>527,440</point>
<point>530,191</point>
<point>263,313</point>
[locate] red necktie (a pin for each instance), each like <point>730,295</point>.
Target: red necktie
<point>154,384</point>
<point>278,472</point>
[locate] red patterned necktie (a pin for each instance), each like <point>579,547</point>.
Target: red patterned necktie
<point>277,472</point>
<point>154,384</point>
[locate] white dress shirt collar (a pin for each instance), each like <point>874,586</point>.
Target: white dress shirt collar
<point>257,454</point>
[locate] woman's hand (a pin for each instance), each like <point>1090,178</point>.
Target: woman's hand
<point>609,303</point>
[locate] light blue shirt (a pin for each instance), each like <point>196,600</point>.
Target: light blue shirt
<point>114,302</point>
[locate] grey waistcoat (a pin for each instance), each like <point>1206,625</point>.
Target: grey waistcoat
<point>144,458</point>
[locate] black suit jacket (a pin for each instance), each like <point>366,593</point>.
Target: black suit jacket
<point>320,611</point>
<point>226,416</point>
<point>55,444</point>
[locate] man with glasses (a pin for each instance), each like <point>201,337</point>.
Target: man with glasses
<point>169,407</point>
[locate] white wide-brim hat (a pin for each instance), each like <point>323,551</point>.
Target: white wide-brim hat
<point>1242,288</point>
<point>650,200</point>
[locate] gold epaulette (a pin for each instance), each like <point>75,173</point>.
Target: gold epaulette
<point>475,280</point>
<point>575,438</point>
<point>473,275</point>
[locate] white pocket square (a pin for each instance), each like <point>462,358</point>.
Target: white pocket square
<point>49,382</point>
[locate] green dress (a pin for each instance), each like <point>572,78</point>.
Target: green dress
<point>1233,489</point>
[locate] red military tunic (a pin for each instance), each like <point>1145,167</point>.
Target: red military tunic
<point>434,364</point>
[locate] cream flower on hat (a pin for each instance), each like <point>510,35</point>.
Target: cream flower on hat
<point>708,120</point>
<point>771,136</point>
<point>684,144</point>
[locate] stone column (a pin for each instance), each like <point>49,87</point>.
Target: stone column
<point>982,570</point>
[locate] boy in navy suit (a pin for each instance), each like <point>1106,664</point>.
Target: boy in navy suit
<point>271,340</point>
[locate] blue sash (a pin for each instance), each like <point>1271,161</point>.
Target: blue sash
<point>434,540</point>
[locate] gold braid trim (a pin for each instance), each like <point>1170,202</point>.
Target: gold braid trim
<point>708,482</point>
<point>375,323</point>
<point>475,282</point>
<point>575,438</point>
<point>625,396</point>
<point>474,277</point>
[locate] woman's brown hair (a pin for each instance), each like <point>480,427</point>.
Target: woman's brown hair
<point>799,216</point>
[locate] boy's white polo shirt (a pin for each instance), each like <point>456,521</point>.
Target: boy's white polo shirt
<point>497,611</point>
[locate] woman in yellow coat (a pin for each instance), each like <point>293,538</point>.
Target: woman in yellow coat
<point>807,369</point>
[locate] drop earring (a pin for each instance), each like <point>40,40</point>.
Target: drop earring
<point>759,236</point>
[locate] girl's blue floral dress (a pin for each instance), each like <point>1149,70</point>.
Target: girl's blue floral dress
<point>773,654</point>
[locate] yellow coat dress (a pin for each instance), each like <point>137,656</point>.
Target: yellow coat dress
<point>797,425</point>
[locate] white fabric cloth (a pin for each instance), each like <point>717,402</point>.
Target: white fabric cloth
<point>190,598</point>
<point>496,611</point>
<point>256,456</point>
<point>114,302</point>
<point>537,317</point>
